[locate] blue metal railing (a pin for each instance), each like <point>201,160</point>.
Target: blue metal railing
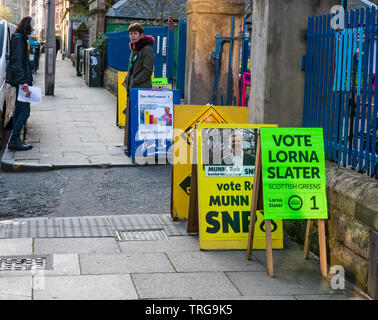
<point>340,92</point>
<point>118,51</point>
<point>216,57</point>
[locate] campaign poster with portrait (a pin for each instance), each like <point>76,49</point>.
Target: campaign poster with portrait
<point>150,133</point>
<point>226,155</point>
<point>229,152</point>
<point>155,114</point>
<point>186,117</point>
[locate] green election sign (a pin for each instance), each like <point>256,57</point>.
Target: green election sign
<point>159,80</point>
<point>293,173</point>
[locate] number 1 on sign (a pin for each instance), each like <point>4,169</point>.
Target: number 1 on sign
<point>314,202</point>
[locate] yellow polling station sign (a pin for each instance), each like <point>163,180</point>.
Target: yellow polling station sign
<point>121,99</point>
<point>185,119</point>
<point>226,156</point>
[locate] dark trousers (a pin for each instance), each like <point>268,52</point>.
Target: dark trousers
<point>20,116</point>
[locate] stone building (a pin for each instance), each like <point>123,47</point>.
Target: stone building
<point>19,8</point>
<point>39,16</point>
<point>124,12</point>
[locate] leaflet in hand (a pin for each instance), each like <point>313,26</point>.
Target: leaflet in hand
<point>34,97</point>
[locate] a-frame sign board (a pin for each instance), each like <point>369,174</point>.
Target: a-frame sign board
<point>192,224</point>
<point>258,203</point>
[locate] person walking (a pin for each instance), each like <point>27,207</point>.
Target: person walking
<point>57,44</point>
<point>141,66</point>
<point>20,75</point>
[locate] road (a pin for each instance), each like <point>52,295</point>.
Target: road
<point>80,191</point>
<point>85,192</point>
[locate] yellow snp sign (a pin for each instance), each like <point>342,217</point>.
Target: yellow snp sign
<point>121,99</point>
<point>226,165</point>
<point>122,96</point>
<point>185,119</point>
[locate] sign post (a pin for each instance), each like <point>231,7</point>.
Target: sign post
<point>290,167</point>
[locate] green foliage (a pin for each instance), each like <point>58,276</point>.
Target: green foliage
<point>6,14</point>
<point>100,42</point>
<point>79,10</point>
<point>110,3</point>
<point>81,7</point>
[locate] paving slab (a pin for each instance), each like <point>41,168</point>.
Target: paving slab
<point>76,245</point>
<point>169,285</point>
<point>134,222</point>
<point>213,261</point>
<point>16,288</point>
<point>64,264</point>
<point>87,232</point>
<point>32,232</point>
<point>244,298</point>
<point>82,221</point>
<point>175,229</point>
<point>86,287</point>
<point>284,283</point>
<point>3,231</point>
<point>15,247</point>
<point>34,222</point>
<point>182,243</point>
<point>289,260</point>
<point>125,263</point>
<point>339,296</point>
<point>70,118</point>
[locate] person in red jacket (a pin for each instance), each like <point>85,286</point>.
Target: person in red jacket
<point>141,66</point>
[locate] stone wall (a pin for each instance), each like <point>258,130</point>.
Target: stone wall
<point>111,81</point>
<point>96,19</point>
<point>277,46</point>
<point>353,222</point>
<point>204,21</point>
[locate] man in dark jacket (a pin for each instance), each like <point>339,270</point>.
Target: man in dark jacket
<point>238,157</point>
<point>141,66</point>
<point>21,74</point>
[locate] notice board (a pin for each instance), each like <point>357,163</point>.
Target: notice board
<point>151,119</point>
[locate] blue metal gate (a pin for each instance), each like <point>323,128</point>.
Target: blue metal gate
<point>216,57</point>
<point>118,51</point>
<point>167,64</point>
<point>181,58</point>
<point>340,92</point>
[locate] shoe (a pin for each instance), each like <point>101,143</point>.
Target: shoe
<point>19,145</point>
<point>28,145</point>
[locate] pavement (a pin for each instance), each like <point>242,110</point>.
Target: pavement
<point>132,256</point>
<point>74,128</point>
<point>129,257</point>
